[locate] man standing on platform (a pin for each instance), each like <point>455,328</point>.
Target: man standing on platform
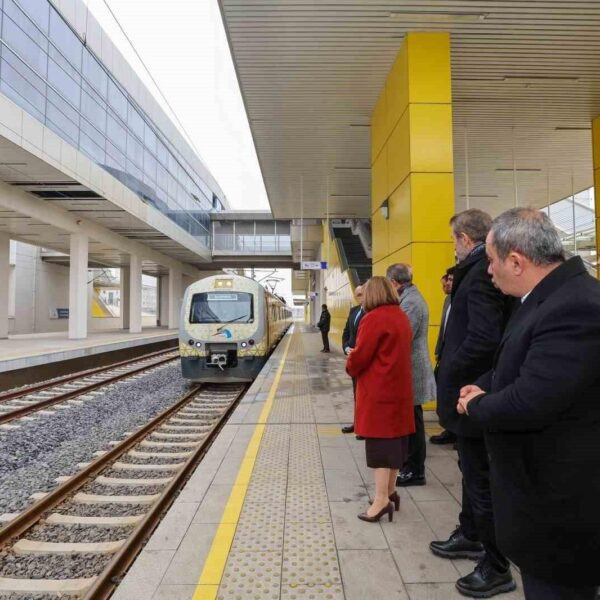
<point>446,437</point>
<point>540,410</point>
<point>349,337</point>
<point>415,307</point>
<point>323,325</point>
<point>474,327</point>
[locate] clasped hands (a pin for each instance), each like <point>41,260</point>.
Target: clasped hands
<point>467,393</point>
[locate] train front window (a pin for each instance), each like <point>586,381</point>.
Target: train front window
<point>222,307</point>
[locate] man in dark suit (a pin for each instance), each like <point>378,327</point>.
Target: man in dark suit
<point>446,437</point>
<point>349,337</point>
<point>540,408</point>
<point>474,326</point>
<point>323,325</point>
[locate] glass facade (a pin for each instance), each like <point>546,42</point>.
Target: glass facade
<point>47,70</point>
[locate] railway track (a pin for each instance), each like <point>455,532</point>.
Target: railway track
<point>79,539</point>
<point>24,402</point>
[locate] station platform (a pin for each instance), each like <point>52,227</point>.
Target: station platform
<point>271,512</point>
<point>32,350</point>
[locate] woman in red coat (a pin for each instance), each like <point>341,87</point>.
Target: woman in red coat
<point>384,415</point>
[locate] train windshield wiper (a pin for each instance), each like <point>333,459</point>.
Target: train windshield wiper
<point>236,319</point>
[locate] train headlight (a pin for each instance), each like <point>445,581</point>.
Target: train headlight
<point>191,342</point>
<point>198,344</point>
<point>251,342</point>
<point>243,344</point>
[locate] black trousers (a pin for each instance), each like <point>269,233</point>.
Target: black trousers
<point>477,515</point>
<point>325,336</point>
<point>417,448</point>
<point>540,589</point>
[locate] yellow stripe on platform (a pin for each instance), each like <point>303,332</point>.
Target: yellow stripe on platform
<point>212,573</point>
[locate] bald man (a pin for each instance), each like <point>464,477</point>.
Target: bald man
<point>349,335</point>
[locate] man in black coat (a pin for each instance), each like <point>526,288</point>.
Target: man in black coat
<point>349,336</point>
<point>540,407</point>
<point>473,329</point>
<point>324,324</point>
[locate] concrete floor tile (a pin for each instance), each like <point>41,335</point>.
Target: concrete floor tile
<point>338,458</point>
<point>344,485</point>
<point>434,490</point>
<point>145,575</point>
<point>211,508</point>
<point>383,580</point>
<point>173,527</point>
<point>445,468</point>
<point>448,591</point>
<point>174,592</point>
<point>441,515</point>
<point>188,561</point>
<point>350,532</point>
<point>409,543</point>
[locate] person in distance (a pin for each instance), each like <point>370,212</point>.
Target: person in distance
<point>380,363</point>
<point>323,325</point>
<point>539,407</point>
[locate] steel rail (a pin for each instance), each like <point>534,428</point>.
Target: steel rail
<point>26,410</point>
<point>81,374</point>
<point>111,576</point>
<point>31,515</point>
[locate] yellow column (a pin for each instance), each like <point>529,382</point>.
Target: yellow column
<point>412,167</point>
<point>596,154</point>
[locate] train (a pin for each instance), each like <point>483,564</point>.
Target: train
<point>228,327</point>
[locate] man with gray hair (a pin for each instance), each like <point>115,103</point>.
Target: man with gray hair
<point>473,328</point>
<point>415,307</point>
<point>539,406</point>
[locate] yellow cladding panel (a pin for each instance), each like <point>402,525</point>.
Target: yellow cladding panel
<point>396,88</point>
<point>379,130</point>
<point>432,202</point>
<point>399,227</point>
<point>399,153</point>
<point>379,180</point>
<point>596,143</point>
<point>431,138</point>
<point>429,73</point>
<point>403,256</point>
<point>379,227</point>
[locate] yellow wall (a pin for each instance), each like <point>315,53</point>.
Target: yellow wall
<point>596,153</point>
<point>412,167</point>
<point>340,293</point>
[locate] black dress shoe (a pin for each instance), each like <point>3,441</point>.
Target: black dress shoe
<point>457,546</point>
<point>348,429</point>
<point>446,437</point>
<point>360,437</point>
<point>486,581</point>
<point>406,478</point>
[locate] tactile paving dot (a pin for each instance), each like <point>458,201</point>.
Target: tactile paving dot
<point>251,575</point>
<point>258,534</point>
<point>312,592</point>
<point>307,504</point>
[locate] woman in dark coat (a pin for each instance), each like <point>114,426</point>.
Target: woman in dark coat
<point>384,416</point>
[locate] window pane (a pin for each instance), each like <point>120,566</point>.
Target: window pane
<point>23,20</point>
<point>115,157</point>
<point>150,165</point>
<point>63,83</point>
<point>93,111</point>
<point>135,121</point>
<point>65,40</point>
<point>117,100</point>
<point>116,133</point>
<point>59,102</point>
<point>222,307</point>
<point>161,153</point>
<point>22,86</point>
<point>38,10</point>
<point>149,138</point>
<point>25,46</point>
<point>94,73</point>
<point>91,148</point>
<point>135,151</point>
<point>61,124</point>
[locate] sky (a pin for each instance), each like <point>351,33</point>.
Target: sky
<point>184,45</point>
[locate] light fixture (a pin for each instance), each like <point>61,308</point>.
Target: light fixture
<point>439,17</point>
<point>572,129</point>
<point>480,195</point>
<point>384,209</point>
<point>243,344</point>
<point>533,79</point>
<point>518,170</point>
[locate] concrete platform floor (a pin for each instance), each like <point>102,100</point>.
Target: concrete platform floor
<point>28,350</point>
<point>271,511</point>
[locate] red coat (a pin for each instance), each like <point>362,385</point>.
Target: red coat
<point>381,365</point>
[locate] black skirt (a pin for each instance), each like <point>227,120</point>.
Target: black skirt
<point>386,453</point>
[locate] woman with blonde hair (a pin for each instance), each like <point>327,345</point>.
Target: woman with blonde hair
<point>384,416</point>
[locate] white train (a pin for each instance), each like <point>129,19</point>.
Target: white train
<point>229,325</point>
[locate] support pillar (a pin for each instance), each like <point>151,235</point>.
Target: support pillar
<point>412,167</point>
<point>174,297</point>
<point>4,278</point>
<point>596,155</point>
<point>124,296</point>
<point>78,286</point>
<point>135,294</point>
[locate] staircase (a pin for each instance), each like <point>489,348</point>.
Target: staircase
<point>354,253</point>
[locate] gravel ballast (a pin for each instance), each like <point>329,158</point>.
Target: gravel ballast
<point>52,566</point>
<point>77,533</point>
<point>32,456</point>
<point>102,510</point>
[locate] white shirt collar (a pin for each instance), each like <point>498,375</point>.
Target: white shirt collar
<point>525,296</point>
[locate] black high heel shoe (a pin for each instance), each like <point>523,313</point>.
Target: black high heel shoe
<point>389,509</point>
<point>395,499</point>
